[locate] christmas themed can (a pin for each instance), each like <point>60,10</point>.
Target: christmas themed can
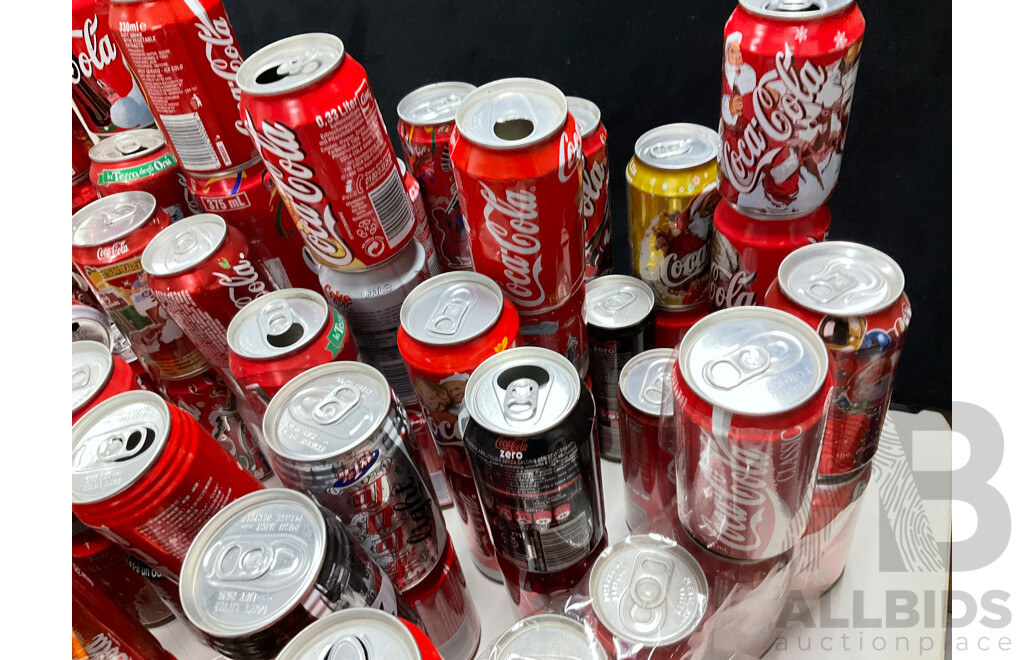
<point>139,160</point>
<point>419,211</point>
<point>597,212</point>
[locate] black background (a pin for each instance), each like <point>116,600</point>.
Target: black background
<point>658,62</point>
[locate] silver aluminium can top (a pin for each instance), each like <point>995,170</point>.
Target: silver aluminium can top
<point>648,590</point>
<point>184,245</point>
<point>112,217</point>
<point>586,113</point>
<point>327,411</point>
<point>255,561</point>
<point>433,104</point>
<point>290,64</point>
<point>512,113</point>
<point>91,367</point>
<point>522,391</point>
<point>642,379</point>
<point>452,308</point>
<point>677,146</point>
<point>795,10</point>
<point>115,443</point>
<point>753,360</point>
<point>90,324</point>
<point>128,145</point>
<point>614,302</point>
<point>547,636</point>
<point>277,323</point>
<point>841,279</point>
<point>359,633</point>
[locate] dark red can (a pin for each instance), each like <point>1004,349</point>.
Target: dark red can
<point>148,477</point>
<point>96,375</point>
<point>597,212</point>
<point>671,325</point>
<point>309,109</point>
<point>81,143</point>
<point>562,330</point>
<point>139,160</point>
<point>83,192</point>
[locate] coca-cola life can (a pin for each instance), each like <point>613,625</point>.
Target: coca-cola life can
<point>139,160</point>
<point>597,212</point>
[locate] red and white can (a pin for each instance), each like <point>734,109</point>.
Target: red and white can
<point>426,119</point>
<point>310,111</point>
<point>431,458</point>
<point>518,155</point>
<point>96,375</point>
<point>750,391</point>
<point>562,329</point>
<point>139,160</point>
<point>366,627</point>
<point>787,87</point>
<point>186,56</point>
<point>419,211</point>
<point>597,212</point>
<point>145,475</point>
<point>83,192</point>
<point>852,296</point>
<point>671,325</point>
<point>102,86</point>
<point>746,252</point>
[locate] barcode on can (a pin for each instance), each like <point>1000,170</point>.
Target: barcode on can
<point>440,484</point>
<point>397,375</point>
<point>393,208</point>
<point>190,141</point>
<point>562,545</point>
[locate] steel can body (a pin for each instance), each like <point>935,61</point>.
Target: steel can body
<point>139,160</point>
<point>670,326</point>
<point>787,89</point>
<point>562,329</point>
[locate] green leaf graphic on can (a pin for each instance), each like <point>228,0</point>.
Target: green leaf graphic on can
<point>336,337</point>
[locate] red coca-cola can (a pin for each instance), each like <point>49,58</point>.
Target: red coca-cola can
<point>751,388</point>
<point>310,111</point>
<point>746,252</point>
<point>426,119</point>
<point>449,325</point>
<point>671,325</point>
<point>96,375</point>
<point>422,226</point>
<point>102,86</point>
<point>361,628</point>
<point>139,160</point>
<point>788,74</point>
<point>562,329</point>
<point>145,475</point>
<point>518,158</point>
<point>108,238</point>
<point>81,143</point>
<point>248,200</point>
<point>83,192</point>
<point>852,295</point>
<point>186,56</point>
<point>597,212</point>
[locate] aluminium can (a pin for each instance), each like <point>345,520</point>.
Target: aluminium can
<point>139,160</point>
<point>546,635</point>
<point>360,631</point>
<point>96,375</point>
<point>597,212</point>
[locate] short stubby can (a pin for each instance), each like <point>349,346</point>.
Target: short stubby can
<point>278,336</point>
<point>421,232</point>
<point>293,557</point>
<point>356,630</point>
<point>671,325</point>
<point>371,302</point>
<point>103,88</point>
<point>186,56</point>
<point>518,159</point>
<point>852,295</point>
<point>746,252</point>
<point>139,160</point>
<point>671,194</point>
<point>648,469</point>
<point>597,212</point>
<point>647,596</point>
<point>248,200</point>
<point>546,635</point>
<point>96,375</point>
<point>308,107</point>
<point>108,238</point>
<point>562,329</point>
<point>620,325</point>
<point>750,391</point>
<point>451,324</point>
<point>426,119</point>
<point>788,72</point>
<point>145,475</point>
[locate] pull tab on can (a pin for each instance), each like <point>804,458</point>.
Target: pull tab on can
<point>618,300</point>
<point>451,311</point>
<point>348,647</point>
<point>521,399</point>
<point>651,391</point>
<point>671,148</point>
<point>276,318</point>
<point>643,606</point>
<point>243,561</point>
<point>79,377</point>
<point>831,283</point>
<point>338,403</point>
<point>735,368</point>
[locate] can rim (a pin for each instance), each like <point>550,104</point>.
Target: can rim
<point>262,60</point>
<point>547,620</point>
<point>484,92</point>
<point>318,632</point>
<point>105,361</point>
<point>701,135</point>
<point>164,243</point>
<point>255,306</point>
<point>109,150</point>
<point>404,108</point>
<point>586,128</point>
<point>146,210</point>
<point>79,314</point>
<point>631,365</point>
<point>594,286</point>
<point>799,12</point>
<point>437,281</point>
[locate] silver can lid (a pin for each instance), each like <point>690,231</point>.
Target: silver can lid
<point>648,590</point>
<point>253,562</point>
<point>511,113</point>
<point>112,217</point>
<point>127,145</point>
<point>184,245</point>
<point>586,113</point>
<point>115,443</point>
<point>795,10</point>
<point>88,324</point>
<point>547,636</point>
<point>841,279</point>
<point>91,367</point>
<point>677,146</point>
<point>327,411</point>
<point>433,104</point>
<point>753,360</point>
<point>642,378</point>
<point>452,308</point>
<point>277,323</point>
<point>358,633</point>
<point>522,391</point>
<point>290,64</point>
<point>617,301</point>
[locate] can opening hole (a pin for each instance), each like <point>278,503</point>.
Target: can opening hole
<point>534,373</point>
<point>74,327</point>
<point>795,6</point>
<point>287,338</point>
<point>513,129</point>
<point>133,440</point>
<point>270,75</point>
